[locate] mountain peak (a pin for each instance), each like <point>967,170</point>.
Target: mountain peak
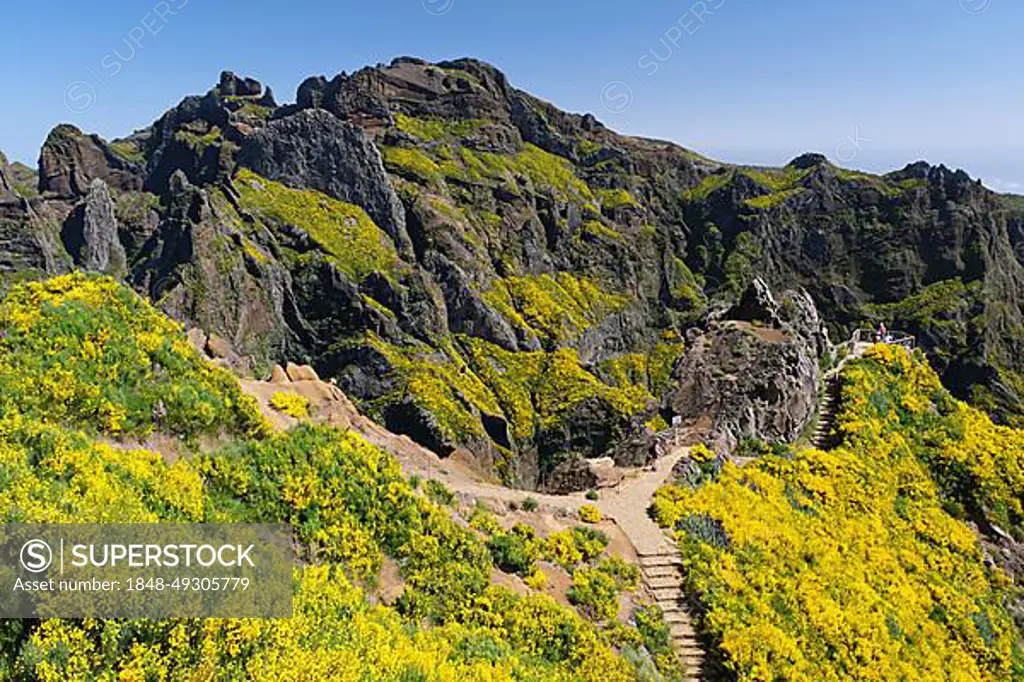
<point>808,160</point>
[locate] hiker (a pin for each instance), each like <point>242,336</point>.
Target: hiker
<point>883,333</point>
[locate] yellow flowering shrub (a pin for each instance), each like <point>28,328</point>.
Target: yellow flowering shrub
<point>590,514</point>
<point>335,635</point>
<point>537,580</point>
<point>559,548</point>
<point>595,592</point>
<point>51,475</point>
<point>84,350</point>
<point>847,564</point>
<point>82,360</point>
<point>701,453</point>
<point>290,404</point>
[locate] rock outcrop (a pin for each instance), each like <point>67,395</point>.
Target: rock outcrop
<point>12,204</point>
<point>90,234</point>
<point>29,242</point>
<point>757,305</point>
<point>71,160</point>
<point>743,379</point>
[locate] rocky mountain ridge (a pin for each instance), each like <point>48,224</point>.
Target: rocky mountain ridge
<point>484,272</point>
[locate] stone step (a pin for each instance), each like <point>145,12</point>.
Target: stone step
<point>668,593</point>
<point>652,560</point>
<point>661,571</point>
<point>685,640</point>
<point>693,651</point>
<point>678,617</point>
<point>660,582</point>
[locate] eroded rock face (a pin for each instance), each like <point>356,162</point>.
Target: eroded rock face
<point>313,149</point>
<point>29,242</point>
<point>744,380</point>
<point>27,246</point>
<point>757,304</point>
<point>90,234</point>
<point>5,183</point>
<point>193,266</point>
<point>71,160</point>
<point>12,204</point>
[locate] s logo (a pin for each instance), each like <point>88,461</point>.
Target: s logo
<point>36,556</point>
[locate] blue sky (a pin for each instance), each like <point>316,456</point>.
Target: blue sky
<point>873,84</point>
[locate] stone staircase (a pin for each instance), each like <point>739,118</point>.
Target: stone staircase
<point>825,436</point>
<point>663,577</point>
<point>824,433</point>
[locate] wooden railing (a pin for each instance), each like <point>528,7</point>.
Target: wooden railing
<point>893,338</point>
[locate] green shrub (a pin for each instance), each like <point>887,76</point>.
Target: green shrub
<point>595,592</point>
<point>589,541</point>
<point>438,493</point>
<point>626,576</point>
<point>515,551</point>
